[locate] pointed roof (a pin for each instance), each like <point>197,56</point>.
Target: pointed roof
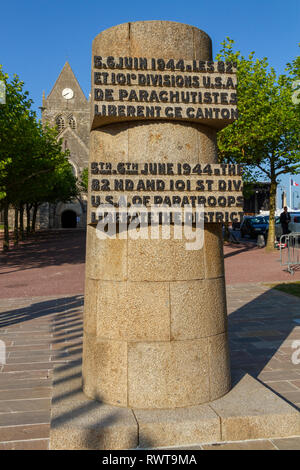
<point>66,79</point>
<point>69,131</point>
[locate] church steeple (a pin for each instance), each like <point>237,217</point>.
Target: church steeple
<point>67,108</point>
<point>66,81</point>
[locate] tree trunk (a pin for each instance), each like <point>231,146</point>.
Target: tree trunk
<point>6,228</point>
<point>21,221</point>
<point>28,208</point>
<point>271,235</point>
<point>16,227</point>
<point>35,209</point>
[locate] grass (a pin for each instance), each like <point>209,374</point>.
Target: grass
<point>292,288</point>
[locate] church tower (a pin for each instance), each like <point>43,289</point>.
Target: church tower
<point>67,108</point>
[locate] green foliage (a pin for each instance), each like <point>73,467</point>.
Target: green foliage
<point>33,167</point>
<point>266,136</point>
<point>294,68</point>
<point>292,288</point>
<point>13,116</point>
<point>268,127</point>
<point>84,180</point>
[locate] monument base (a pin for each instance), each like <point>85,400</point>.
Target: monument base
<point>249,411</point>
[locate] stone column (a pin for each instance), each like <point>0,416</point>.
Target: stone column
<point>155,328</point>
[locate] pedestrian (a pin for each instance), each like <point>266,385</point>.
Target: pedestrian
<point>285,219</point>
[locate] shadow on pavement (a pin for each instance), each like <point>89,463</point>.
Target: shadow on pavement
<point>241,248</point>
<point>46,248</point>
<point>256,332</point>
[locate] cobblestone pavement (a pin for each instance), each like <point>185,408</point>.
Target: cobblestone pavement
<point>42,332</point>
<point>53,262</point>
<point>49,263</point>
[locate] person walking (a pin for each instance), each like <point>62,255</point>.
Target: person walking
<point>285,219</point>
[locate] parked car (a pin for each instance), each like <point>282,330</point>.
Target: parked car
<point>254,226</point>
<point>294,225</point>
<point>278,229</point>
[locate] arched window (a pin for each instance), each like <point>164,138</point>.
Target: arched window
<point>60,123</point>
<point>74,169</point>
<point>72,122</point>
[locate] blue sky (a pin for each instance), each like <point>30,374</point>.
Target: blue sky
<point>38,36</point>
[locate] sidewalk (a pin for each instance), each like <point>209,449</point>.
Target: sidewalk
<point>43,332</point>
<point>39,334</point>
<point>45,265</point>
<point>245,262</point>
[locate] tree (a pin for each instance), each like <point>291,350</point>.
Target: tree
<point>53,178</point>
<point>34,169</point>
<point>266,136</point>
<point>13,116</point>
<point>84,180</point>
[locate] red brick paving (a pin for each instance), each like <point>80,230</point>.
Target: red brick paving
<point>246,263</point>
<point>40,322</point>
<point>44,265</point>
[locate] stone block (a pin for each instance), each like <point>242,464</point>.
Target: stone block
<point>198,308</point>
<point>202,45</point>
<point>207,142</point>
<point>251,411</point>
<point>106,259</point>
<point>155,141</point>
<point>184,426</point>
<point>164,260</point>
<point>243,445</point>
<point>219,366</point>
<point>90,306</point>
<point>213,251</point>
<point>110,143</point>
<point>113,41</point>
<point>168,375</point>
<point>147,37</point>
<point>105,370</point>
<point>78,423</point>
<point>133,311</point>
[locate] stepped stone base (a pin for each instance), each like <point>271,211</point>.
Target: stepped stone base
<point>248,411</point>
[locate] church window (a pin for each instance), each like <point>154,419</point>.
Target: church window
<point>60,123</point>
<point>72,122</point>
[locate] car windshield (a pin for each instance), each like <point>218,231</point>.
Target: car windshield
<point>258,220</point>
<point>277,219</point>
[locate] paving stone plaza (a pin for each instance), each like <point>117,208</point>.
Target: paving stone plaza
<point>45,332</point>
